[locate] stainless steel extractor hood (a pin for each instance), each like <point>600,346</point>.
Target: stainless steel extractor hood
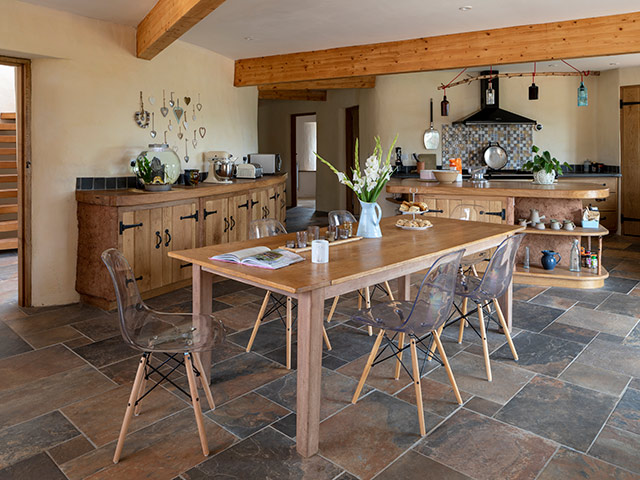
<point>491,113</point>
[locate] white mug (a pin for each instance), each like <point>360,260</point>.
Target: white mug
<point>320,251</point>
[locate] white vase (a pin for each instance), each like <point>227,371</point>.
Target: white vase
<point>544,178</point>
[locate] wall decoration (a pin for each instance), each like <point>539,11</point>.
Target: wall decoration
<point>187,101</point>
<point>198,105</point>
<point>171,102</point>
<point>142,117</point>
<point>203,132</point>
<point>164,110</point>
<point>178,111</point>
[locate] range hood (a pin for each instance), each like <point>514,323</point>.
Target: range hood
<point>491,114</point>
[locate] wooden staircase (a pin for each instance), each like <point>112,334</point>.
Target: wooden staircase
<point>8,183</point>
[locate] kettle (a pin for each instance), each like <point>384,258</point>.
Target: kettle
<point>535,217</point>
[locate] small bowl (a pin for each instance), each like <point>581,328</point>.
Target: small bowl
<point>446,176</point>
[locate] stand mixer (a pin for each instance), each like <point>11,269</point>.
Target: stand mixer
<point>221,167</point>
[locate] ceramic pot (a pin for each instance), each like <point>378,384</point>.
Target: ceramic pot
<point>549,260</point>
<point>544,178</point>
<point>369,223</point>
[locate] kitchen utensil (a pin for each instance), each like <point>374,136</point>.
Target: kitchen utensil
<point>194,142</point>
<point>549,260</point>
<point>180,134</point>
<point>523,222</point>
<point>199,105</point>
<point>446,176</point>
<point>431,136</point>
<point>495,156</point>
<point>202,131</point>
<point>193,116</point>
<point>178,111</point>
<point>224,169</point>
<point>142,117</point>
<point>187,101</point>
<point>535,217</point>
<point>153,132</point>
<point>186,150</point>
<point>170,127</point>
<point>186,124</point>
<point>165,137</point>
<point>164,110</point>
<point>171,102</point>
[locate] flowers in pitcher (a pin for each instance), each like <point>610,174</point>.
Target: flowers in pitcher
<point>367,184</point>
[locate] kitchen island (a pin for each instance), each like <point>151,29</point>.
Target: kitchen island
<point>507,201</point>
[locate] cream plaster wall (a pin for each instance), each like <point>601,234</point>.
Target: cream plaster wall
<point>7,89</point>
<point>84,97</point>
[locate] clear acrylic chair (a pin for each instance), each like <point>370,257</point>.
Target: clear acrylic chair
<point>178,336</point>
<point>269,227</point>
<point>470,213</point>
<point>486,290</point>
<point>419,320</point>
<point>339,217</point>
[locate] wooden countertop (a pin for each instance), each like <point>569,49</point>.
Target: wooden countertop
<point>132,196</point>
<point>500,188</point>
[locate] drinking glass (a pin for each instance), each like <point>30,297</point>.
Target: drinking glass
<point>301,239</point>
<point>343,233</point>
<point>291,244</point>
<point>313,233</point>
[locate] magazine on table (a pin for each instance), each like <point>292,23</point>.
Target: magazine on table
<point>261,257</point>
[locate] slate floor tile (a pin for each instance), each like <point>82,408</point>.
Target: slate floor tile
<point>560,411</point>
<point>595,378</point>
<point>414,466</point>
<point>606,322</point>
<point>99,328</point>
<point>626,415</point>
<point>610,356</point>
<point>106,351</point>
<point>437,397</point>
<point>239,318</point>
<point>11,343</point>
<point>350,343</point>
<point>70,449</point>
<point>267,454</point>
<point>528,316</point>
<point>594,297</point>
<point>540,353</point>
<point>471,376</point>
<point>485,407</point>
<point>618,447</point>
<point>622,304</point>
<point>567,464</point>
<point>38,466</point>
<point>270,336</point>
<point>569,332</point>
<point>364,438</point>
<point>526,292</point>
<point>633,339</point>
<point>172,298</point>
<point>466,442</point>
<point>287,425</point>
<point>620,285</point>
<point>57,317</point>
<point>553,301</point>
<point>247,414</point>
<point>34,436</point>
<point>45,338</point>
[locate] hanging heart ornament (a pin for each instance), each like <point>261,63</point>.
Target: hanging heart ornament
<point>194,142</point>
<point>142,117</point>
<point>202,131</point>
<point>164,110</point>
<point>199,105</point>
<point>187,101</point>
<point>178,111</point>
<point>180,135</point>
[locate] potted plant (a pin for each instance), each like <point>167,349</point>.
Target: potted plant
<point>367,186</point>
<point>544,167</point>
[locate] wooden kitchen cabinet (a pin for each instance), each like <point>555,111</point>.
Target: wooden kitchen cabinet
<point>491,210</point>
<point>608,206</point>
<point>215,215</point>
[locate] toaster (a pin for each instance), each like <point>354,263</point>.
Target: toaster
<point>248,170</point>
<point>271,162</point>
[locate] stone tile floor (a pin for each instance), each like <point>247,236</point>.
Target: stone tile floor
<point>570,408</point>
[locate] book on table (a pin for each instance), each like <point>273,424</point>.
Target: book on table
<point>262,257</point>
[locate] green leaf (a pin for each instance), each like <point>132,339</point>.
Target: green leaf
<point>535,149</point>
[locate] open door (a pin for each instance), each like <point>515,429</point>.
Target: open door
<point>352,124</point>
<point>630,153</point>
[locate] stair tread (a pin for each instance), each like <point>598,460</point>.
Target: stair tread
<point>9,226</point>
<point>8,192</point>
<point>8,243</point>
<point>8,115</point>
<point>8,177</point>
<point>7,139</point>
<point>8,151</point>
<point>8,164</point>
<point>8,208</point>
<point>8,126</point>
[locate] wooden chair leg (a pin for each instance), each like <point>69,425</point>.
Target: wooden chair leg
<point>289,322</point>
<point>130,407</point>
<point>205,385</point>
<point>399,355</point>
<point>326,338</point>
<point>367,367</point>
<point>367,299</point>
<point>506,329</point>
<point>333,308</point>
<point>195,400</point>
<point>485,343</point>
<point>263,308</point>
<point>432,347</point>
<point>359,299</point>
<point>143,385</point>
<point>389,292</point>
<point>445,360</point>
<point>463,322</point>
<point>473,269</point>
<point>416,383</point>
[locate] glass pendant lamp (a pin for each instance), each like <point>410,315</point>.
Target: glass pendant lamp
<point>533,88</point>
<point>444,106</point>
<point>583,98</point>
<point>490,92</point>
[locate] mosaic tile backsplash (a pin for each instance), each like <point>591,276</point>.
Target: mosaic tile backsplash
<point>469,142</point>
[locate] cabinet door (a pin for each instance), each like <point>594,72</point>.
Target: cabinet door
<point>180,234</point>
<point>239,216</point>
<point>281,203</point>
<point>255,206</point>
<point>216,221</point>
<point>434,211</point>
<point>272,207</point>
<point>491,210</point>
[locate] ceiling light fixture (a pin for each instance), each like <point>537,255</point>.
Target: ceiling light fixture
<point>466,8</point>
<point>583,97</point>
<point>490,96</point>
<point>444,104</point>
<point>533,88</point>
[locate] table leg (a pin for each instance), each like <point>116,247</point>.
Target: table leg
<point>203,304</point>
<point>506,304</point>
<point>310,319</point>
<point>404,287</point>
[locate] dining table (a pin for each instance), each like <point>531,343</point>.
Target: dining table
<point>398,254</point>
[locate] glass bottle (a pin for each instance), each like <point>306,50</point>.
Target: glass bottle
<point>574,257</point>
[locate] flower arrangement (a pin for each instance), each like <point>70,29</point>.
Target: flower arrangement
<point>367,184</point>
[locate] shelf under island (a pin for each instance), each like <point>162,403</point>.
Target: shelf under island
<point>506,201</point>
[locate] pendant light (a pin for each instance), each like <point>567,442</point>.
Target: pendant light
<point>533,88</point>
<point>444,105</point>
<point>583,97</point>
<point>490,97</point>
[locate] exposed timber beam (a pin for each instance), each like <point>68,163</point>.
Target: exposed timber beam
<point>309,95</point>
<point>599,36</point>
<point>167,21</point>
<point>334,84</point>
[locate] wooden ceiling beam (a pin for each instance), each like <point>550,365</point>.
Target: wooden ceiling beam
<point>333,84</point>
<point>307,95</point>
<point>167,21</point>
<point>599,36</point>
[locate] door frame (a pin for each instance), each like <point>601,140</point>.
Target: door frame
<point>622,191</point>
<point>352,132</point>
<point>23,157</point>
<point>293,169</point>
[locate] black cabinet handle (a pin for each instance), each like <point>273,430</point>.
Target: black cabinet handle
<point>139,278</point>
<point>431,210</point>
<point>278,195</point>
<point>226,224</point>
<point>268,212</point>
<point>130,280</point>
<point>502,214</point>
<point>185,265</point>
<point>159,238</point>
<point>193,215</point>
<point>601,199</point>
<point>244,205</point>
<point>124,226</point>
<point>166,231</point>
<point>273,197</point>
<point>233,223</point>
<point>254,203</point>
<point>207,213</point>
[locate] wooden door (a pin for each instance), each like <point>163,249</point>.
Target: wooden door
<point>180,233</point>
<point>630,155</point>
<point>215,216</point>
<point>239,216</point>
<point>352,125</point>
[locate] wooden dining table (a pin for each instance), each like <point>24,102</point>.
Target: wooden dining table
<point>396,255</point>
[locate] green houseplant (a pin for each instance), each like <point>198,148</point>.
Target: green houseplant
<point>544,166</point>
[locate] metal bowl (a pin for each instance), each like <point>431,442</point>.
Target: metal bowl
<point>224,170</point>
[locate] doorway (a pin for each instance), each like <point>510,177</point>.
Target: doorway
<point>352,125</point>
<point>630,158</point>
<point>303,161</point>
<point>15,181</point>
